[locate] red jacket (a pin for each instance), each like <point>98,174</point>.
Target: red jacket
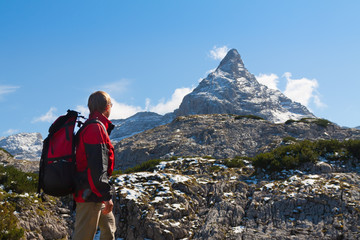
<point>94,160</point>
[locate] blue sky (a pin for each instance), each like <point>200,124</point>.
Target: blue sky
<point>149,54</point>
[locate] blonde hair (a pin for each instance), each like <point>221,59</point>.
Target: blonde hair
<point>98,101</point>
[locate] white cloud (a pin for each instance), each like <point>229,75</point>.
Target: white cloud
<point>302,90</point>
<point>218,53</point>
<point>269,80</point>
<point>165,107</point>
<point>147,104</point>
<point>11,131</point>
<point>47,117</point>
<point>118,111</point>
<point>318,102</point>
<point>121,110</point>
<point>4,89</point>
<point>116,87</point>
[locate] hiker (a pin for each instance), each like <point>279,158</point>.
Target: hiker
<point>94,166</point>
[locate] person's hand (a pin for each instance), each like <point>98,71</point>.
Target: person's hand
<point>108,207</point>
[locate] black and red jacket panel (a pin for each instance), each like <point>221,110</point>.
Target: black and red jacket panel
<point>94,160</point>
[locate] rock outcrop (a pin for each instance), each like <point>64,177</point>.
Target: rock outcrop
<point>41,217</point>
<point>197,198</point>
<point>220,136</point>
<point>46,220</point>
<point>24,165</point>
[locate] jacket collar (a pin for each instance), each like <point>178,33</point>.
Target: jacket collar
<point>107,123</point>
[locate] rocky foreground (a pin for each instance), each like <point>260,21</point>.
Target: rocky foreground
<point>200,198</point>
<point>38,217</point>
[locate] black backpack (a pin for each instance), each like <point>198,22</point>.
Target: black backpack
<point>57,163</point>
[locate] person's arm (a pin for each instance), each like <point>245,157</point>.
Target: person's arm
<point>97,154</point>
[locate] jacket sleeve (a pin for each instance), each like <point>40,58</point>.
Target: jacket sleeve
<point>97,155</point>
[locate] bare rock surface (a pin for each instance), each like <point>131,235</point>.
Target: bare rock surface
<point>220,136</point>
<point>197,198</point>
<point>24,165</point>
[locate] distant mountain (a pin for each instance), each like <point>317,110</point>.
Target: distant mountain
<point>25,146</point>
<point>232,89</point>
<point>138,123</point>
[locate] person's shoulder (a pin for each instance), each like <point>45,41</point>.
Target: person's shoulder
<point>93,127</point>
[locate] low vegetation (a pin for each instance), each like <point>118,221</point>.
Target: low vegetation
<point>293,155</point>
<point>145,166</point>
<point>236,162</point>
<point>13,181</point>
<point>17,181</point>
<point>319,121</point>
<point>8,221</point>
<point>248,116</point>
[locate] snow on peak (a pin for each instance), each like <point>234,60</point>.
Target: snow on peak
<point>25,146</point>
<point>232,89</point>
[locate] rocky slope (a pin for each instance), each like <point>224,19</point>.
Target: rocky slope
<point>203,198</point>
<point>220,136</point>
<point>40,217</point>
<point>24,165</point>
<point>198,198</point>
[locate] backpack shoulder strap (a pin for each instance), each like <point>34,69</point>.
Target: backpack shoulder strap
<point>90,121</point>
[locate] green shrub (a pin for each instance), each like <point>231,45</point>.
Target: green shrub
<point>292,156</point>
<point>145,166</point>
<point>319,121</point>
<point>248,116</point>
<point>236,162</point>
<point>353,147</point>
<point>8,223</point>
<point>117,172</point>
<point>290,121</point>
<point>322,122</point>
<point>326,147</point>
<point>18,181</point>
<point>289,139</point>
<point>286,157</point>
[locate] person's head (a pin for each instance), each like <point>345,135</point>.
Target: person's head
<point>100,101</point>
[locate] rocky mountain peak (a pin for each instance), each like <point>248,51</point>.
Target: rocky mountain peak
<point>232,89</point>
<point>232,62</point>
